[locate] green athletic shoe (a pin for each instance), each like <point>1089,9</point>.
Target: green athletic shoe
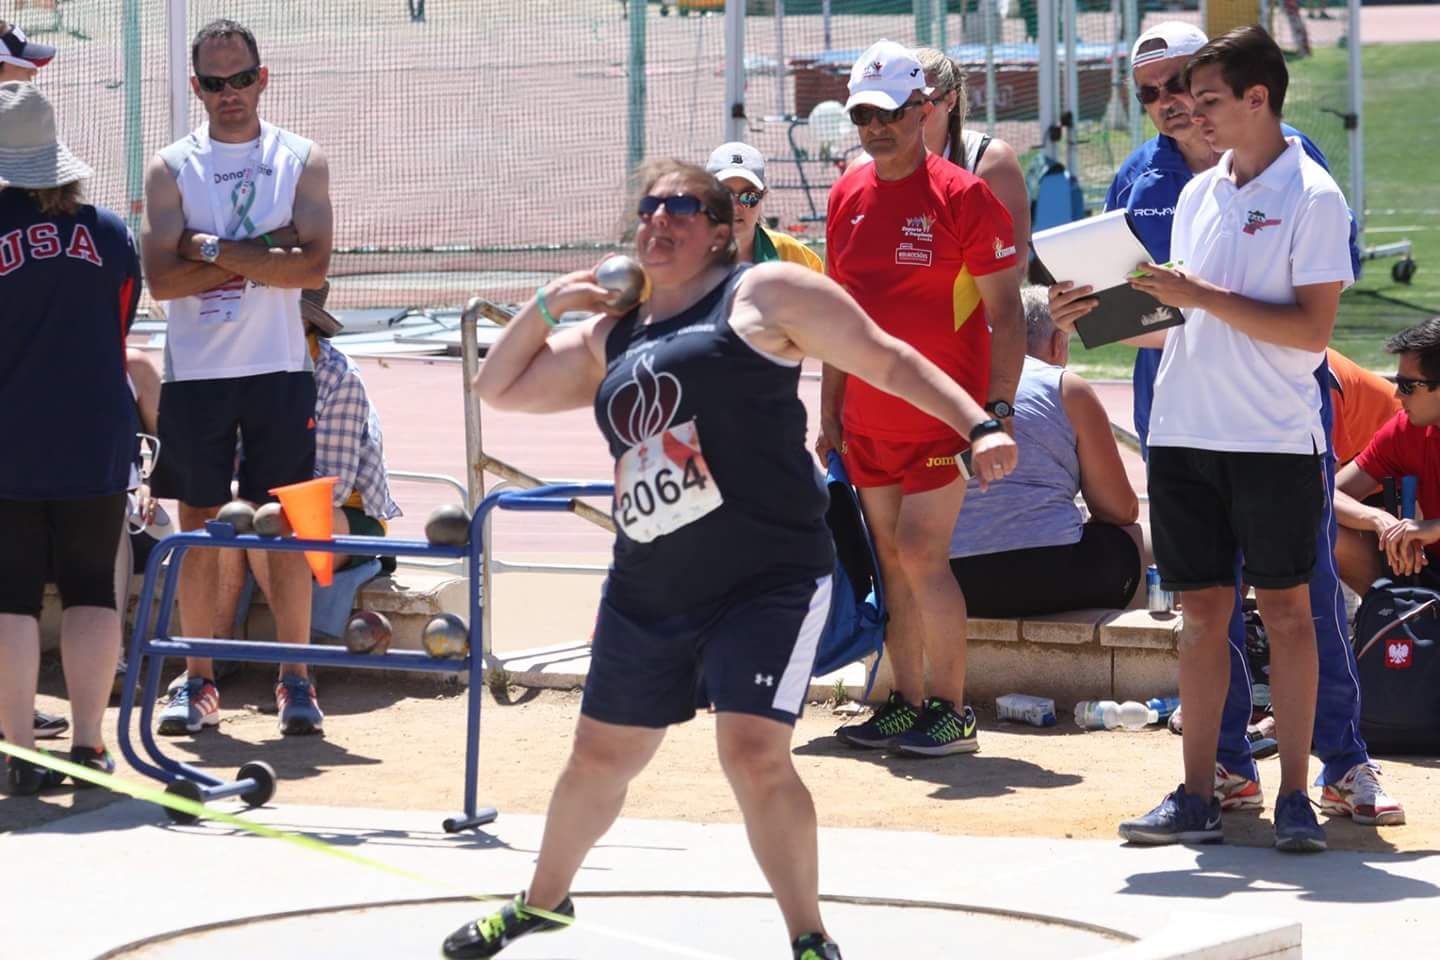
<point>487,937</point>
<point>815,946</point>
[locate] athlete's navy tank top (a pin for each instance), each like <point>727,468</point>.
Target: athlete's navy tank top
<point>770,529</point>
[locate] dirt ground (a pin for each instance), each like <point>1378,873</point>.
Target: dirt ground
<point>399,744</point>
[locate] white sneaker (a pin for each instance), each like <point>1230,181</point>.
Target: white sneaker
<point>1360,797</point>
<point>1236,792</point>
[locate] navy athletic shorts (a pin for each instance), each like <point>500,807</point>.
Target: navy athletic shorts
<point>751,653</point>
<point>200,421</point>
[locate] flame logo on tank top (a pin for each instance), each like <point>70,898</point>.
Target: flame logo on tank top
<point>646,404</point>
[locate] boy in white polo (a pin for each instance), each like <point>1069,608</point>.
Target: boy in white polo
<point>1259,244</point>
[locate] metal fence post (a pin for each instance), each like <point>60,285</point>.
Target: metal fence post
<point>475,456</point>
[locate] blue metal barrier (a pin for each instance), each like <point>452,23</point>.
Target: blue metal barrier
<point>255,782</point>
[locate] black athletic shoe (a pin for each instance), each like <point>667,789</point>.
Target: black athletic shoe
<point>891,719</point>
<point>96,758</point>
<point>26,779</point>
<point>49,726</point>
<point>815,946</point>
<point>487,937</point>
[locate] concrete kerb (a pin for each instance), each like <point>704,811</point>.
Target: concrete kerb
<point>998,896</point>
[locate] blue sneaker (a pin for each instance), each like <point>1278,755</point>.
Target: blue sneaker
<point>1180,818</point>
<point>940,731</point>
<point>299,709</point>
<point>1296,829</point>
<point>892,718</point>
<point>193,706</point>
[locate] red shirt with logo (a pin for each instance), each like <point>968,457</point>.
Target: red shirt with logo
<point>1401,449</point>
<point>909,251</point>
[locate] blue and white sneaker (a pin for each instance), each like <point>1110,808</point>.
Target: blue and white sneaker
<point>1296,829</point>
<point>1180,818</point>
<point>193,706</point>
<point>299,709</point>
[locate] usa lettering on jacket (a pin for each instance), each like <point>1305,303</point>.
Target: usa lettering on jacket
<point>42,241</point>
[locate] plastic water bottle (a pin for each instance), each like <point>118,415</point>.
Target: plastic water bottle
<point>1136,716</point>
<point>1097,714</point>
<point>1109,715</point>
<point>1163,707</point>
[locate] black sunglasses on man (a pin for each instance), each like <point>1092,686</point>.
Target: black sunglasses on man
<point>236,81</point>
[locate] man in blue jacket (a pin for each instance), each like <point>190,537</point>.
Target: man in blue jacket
<point>1147,186</point>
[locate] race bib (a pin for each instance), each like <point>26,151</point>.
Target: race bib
<point>222,304</point>
<point>662,484</point>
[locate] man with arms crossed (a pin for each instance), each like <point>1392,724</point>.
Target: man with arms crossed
<point>927,250</point>
<point>1236,437</point>
<point>237,222</point>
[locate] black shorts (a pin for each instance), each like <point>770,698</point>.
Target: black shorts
<point>201,420</point>
<point>1101,570</point>
<point>750,654</point>
<point>72,541</point>
<point>1205,505</point>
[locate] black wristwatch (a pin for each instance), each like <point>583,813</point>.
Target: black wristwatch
<point>999,409</point>
<point>985,427</point>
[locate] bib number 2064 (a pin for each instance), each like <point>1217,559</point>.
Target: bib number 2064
<point>663,484</point>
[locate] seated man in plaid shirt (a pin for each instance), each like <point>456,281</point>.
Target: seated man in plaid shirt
<point>348,443</point>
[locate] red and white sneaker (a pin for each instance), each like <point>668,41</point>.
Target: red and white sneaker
<point>1236,792</point>
<point>1360,797</point>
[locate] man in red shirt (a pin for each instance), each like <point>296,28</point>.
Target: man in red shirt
<point>1407,445</point>
<point>927,251</point>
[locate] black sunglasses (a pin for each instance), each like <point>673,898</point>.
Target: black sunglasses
<point>676,205</point>
<point>1407,385</point>
<point>862,115</point>
<point>1147,94</point>
<point>237,81</point>
<point>748,198</point>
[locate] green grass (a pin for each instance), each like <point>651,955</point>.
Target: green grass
<point>1402,151</point>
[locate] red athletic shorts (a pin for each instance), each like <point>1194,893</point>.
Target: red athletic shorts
<point>917,466</point>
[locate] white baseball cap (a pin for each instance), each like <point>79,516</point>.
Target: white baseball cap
<point>1166,41</point>
<point>737,159</point>
<point>885,76</point>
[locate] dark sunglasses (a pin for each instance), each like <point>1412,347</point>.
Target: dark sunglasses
<point>1407,385</point>
<point>862,115</point>
<point>677,205</point>
<point>1147,94</point>
<point>237,81</point>
<point>748,198</point>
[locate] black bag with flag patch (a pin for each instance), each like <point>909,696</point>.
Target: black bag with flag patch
<point>1397,648</point>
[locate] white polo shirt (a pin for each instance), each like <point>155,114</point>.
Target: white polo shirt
<point>1218,388</point>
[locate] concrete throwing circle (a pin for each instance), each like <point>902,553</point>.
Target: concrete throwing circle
<point>637,926</point>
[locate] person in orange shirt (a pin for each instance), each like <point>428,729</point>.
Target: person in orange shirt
<point>1363,401</point>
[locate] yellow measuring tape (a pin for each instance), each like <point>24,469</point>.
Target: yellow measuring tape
<point>189,807</point>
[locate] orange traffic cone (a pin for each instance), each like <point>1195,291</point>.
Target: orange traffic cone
<point>309,508</point>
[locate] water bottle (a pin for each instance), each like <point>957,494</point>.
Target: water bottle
<point>1097,714</point>
<point>1135,716</point>
<point>1163,707</point>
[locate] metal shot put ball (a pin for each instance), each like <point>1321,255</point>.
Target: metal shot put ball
<point>628,280</point>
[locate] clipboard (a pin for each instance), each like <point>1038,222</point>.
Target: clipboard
<point>1101,252</point>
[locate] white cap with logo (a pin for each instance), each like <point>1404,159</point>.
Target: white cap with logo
<point>737,159</point>
<point>1166,41</point>
<point>885,76</point>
